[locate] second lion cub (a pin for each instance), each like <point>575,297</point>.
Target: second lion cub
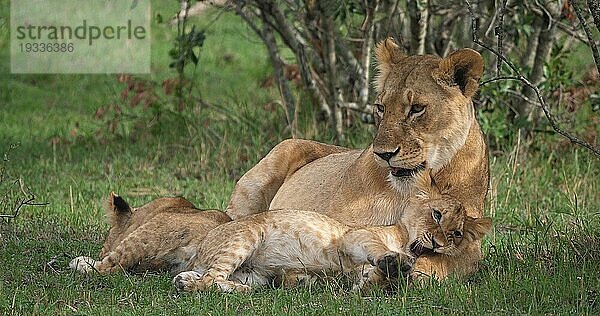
<point>286,244</point>
<point>159,235</point>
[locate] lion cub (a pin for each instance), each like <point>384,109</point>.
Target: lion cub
<point>292,245</point>
<point>155,236</point>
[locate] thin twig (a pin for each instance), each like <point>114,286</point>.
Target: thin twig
<point>518,76</point>
<point>560,25</point>
<point>588,33</point>
<point>368,109</point>
<point>28,200</point>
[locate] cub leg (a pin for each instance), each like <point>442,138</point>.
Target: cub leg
<point>133,249</point>
<point>222,253</point>
<point>255,190</point>
<point>293,278</point>
<point>372,245</point>
<point>192,281</point>
<point>377,246</point>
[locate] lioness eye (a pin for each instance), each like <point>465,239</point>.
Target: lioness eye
<point>416,109</point>
<point>437,216</point>
<point>457,233</point>
<point>380,107</point>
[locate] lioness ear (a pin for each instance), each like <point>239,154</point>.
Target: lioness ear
<point>476,228</point>
<point>388,52</point>
<point>463,68</point>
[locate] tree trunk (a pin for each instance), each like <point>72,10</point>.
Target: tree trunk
<point>529,54</point>
<point>418,12</point>
<point>287,97</point>
<point>594,6</point>
<point>526,110</point>
<point>329,60</point>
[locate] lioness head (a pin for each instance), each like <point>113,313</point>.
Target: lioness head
<point>439,222</point>
<point>423,111</point>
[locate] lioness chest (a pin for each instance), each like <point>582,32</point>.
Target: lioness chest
<point>345,187</point>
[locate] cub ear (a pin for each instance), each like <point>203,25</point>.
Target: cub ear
<point>117,204</point>
<point>476,228</point>
<point>462,68</point>
<point>426,186</point>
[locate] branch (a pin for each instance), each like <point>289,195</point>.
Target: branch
<point>588,33</point>
<point>297,48</point>
<point>574,34</point>
<point>367,109</point>
<point>499,30</point>
<point>526,82</point>
<point>28,200</point>
<point>282,83</point>
<point>562,26</point>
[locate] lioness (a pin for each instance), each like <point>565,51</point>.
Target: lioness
<point>293,245</point>
<point>424,117</point>
<point>160,235</point>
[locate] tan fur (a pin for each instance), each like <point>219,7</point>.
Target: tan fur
<point>154,236</point>
<point>356,187</point>
<point>447,226</point>
<point>293,245</point>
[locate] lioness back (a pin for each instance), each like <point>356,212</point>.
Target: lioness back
<point>310,192</point>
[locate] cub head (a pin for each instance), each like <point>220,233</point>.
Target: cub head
<point>423,111</point>
<point>123,218</point>
<point>440,220</point>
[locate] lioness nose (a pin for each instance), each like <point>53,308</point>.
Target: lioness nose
<point>387,155</point>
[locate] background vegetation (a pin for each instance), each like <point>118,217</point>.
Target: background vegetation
<point>81,136</point>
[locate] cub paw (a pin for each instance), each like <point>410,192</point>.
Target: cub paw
<point>393,265</point>
<point>229,286</point>
<point>187,281</point>
<point>388,264</point>
<point>83,264</point>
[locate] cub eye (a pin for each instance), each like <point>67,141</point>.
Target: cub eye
<point>416,109</point>
<point>457,234</point>
<point>380,107</point>
<point>437,216</point>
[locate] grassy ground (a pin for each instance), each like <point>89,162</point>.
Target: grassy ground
<point>543,257</point>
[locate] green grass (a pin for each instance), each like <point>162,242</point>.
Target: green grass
<point>542,258</point>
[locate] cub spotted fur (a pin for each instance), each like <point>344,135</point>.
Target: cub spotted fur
<point>159,235</point>
<point>294,245</point>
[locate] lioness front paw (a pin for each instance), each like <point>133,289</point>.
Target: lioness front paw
<point>187,281</point>
<point>83,264</point>
<point>394,264</point>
